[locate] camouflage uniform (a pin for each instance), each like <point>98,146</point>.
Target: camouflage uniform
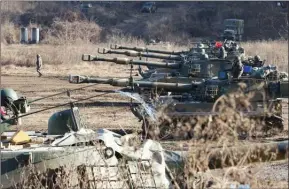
<point>200,45</point>
<point>237,68</point>
<point>283,76</point>
<point>204,55</point>
<point>257,61</point>
<point>235,46</point>
<point>223,53</point>
<point>38,64</point>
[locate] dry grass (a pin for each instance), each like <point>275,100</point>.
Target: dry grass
<point>67,56</point>
<point>231,152</point>
<point>274,52</point>
<point>64,42</point>
<point>62,60</point>
<point>9,33</point>
<point>76,32</point>
<point>67,48</point>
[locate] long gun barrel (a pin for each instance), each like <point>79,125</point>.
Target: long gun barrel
<point>77,79</point>
<point>141,54</point>
<point>127,61</point>
<point>144,49</point>
<point>174,87</point>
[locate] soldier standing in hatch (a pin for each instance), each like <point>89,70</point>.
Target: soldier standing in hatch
<point>237,68</point>
<point>257,61</point>
<point>204,55</point>
<point>38,64</point>
<point>222,53</point>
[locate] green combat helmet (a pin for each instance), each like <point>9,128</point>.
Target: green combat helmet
<point>13,105</point>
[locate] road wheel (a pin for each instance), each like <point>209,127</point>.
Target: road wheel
<point>108,152</point>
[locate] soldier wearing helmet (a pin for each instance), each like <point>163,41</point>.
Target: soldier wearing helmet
<point>38,64</point>
<point>283,76</point>
<point>200,46</point>
<point>237,68</point>
<point>222,53</point>
<point>257,61</point>
<point>257,58</point>
<point>204,55</point>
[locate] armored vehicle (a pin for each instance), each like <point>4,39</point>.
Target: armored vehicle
<point>211,50</point>
<point>195,69</point>
<point>149,7</point>
<point>192,70</point>
<point>206,90</point>
<point>85,156</point>
<point>198,97</point>
<point>185,59</point>
<point>233,29</point>
<point>189,62</point>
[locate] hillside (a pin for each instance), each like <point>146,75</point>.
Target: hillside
<point>173,21</point>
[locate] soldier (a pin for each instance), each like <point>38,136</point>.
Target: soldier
<point>257,61</point>
<point>235,47</point>
<point>38,64</point>
<point>200,45</point>
<point>204,55</point>
<point>283,76</point>
<point>237,68</point>
<point>223,53</point>
<point>227,45</point>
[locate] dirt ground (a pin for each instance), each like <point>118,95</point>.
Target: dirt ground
<point>109,111</point>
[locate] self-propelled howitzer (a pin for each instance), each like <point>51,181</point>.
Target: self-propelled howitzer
<point>198,98</point>
<point>212,51</point>
<point>207,90</point>
<point>268,104</point>
<point>195,69</point>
